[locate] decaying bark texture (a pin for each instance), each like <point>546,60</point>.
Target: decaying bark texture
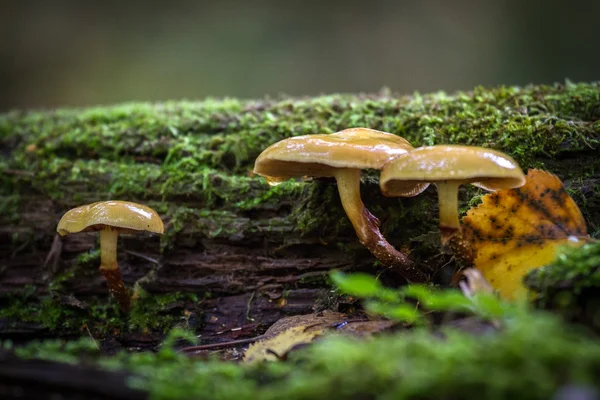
<point>254,252</point>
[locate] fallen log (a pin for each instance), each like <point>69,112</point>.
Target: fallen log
<point>246,251</point>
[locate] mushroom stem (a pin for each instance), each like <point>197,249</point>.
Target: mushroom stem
<point>448,204</point>
<point>366,225</point>
<point>110,268</point>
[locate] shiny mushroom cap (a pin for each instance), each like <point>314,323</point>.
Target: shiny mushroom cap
<point>482,167</point>
<point>320,155</point>
<point>119,215</point>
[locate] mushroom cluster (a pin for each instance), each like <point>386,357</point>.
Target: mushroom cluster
<point>343,155</point>
<point>405,172</point>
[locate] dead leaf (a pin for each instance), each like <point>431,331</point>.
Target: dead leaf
<point>475,283</point>
<point>514,231</point>
<point>290,332</point>
<point>325,318</point>
<point>276,347</point>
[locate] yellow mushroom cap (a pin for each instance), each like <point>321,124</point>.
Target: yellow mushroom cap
<point>119,215</point>
<point>486,168</point>
<point>319,155</point>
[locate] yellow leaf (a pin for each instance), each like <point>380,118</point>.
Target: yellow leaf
<point>290,332</point>
<point>506,272</point>
<point>514,231</point>
<point>277,346</point>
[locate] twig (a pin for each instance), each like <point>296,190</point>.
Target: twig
<point>21,247</point>
<point>248,306</point>
<point>149,277</point>
<point>18,172</point>
<point>142,256</point>
<point>54,254</point>
<point>210,346</point>
<point>238,328</point>
<point>91,337</point>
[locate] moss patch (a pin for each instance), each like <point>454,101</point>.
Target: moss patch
<point>65,314</point>
<point>518,361</point>
<point>201,153</point>
<point>192,162</point>
<point>574,268</point>
<point>570,285</point>
<point>228,134</point>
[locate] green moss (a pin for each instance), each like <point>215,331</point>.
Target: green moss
<point>320,210</point>
<point>58,282</point>
<point>510,362</point>
<point>88,257</point>
<point>513,362</point>
<point>9,208</point>
<point>586,194</point>
<point>192,162</point>
<point>570,285</point>
<point>65,315</point>
<point>228,135</point>
<point>273,197</point>
<point>206,223</point>
<point>199,154</point>
<point>575,268</point>
<point>48,312</point>
<point>148,311</point>
<point>68,352</point>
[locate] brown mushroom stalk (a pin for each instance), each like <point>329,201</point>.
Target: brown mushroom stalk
<point>110,268</point>
<point>366,224</point>
<point>343,155</point>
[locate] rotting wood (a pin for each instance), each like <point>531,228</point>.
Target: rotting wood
<point>247,255</point>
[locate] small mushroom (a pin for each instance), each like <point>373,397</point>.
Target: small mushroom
<point>342,155</point>
<point>111,218</point>
<point>449,166</point>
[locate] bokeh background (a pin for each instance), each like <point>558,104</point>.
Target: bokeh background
<point>77,53</point>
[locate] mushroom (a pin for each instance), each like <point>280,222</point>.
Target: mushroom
<point>111,218</point>
<point>449,166</point>
<point>342,155</point>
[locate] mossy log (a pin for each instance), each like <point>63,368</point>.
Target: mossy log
<point>251,250</point>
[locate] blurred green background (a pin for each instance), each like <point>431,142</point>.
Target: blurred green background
<point>76,53</point>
